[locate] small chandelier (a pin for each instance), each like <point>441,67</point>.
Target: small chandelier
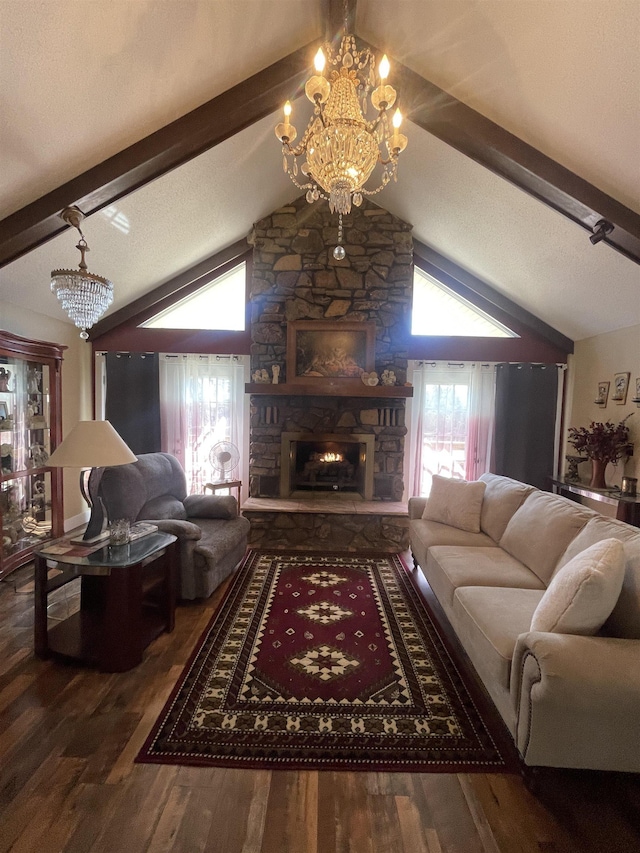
<point>341,147</point>
<point>84,296</point>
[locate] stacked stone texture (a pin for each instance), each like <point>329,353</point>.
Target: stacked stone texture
<point>328,531</point>
<point>296,277</point>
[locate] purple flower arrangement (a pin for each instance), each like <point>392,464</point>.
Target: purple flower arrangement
<point>606,442</point>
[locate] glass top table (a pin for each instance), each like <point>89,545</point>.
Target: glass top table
<point>127,599</point>
<point>627,506</point>
<point>105,556</point>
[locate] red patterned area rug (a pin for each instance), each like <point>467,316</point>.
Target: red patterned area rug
<point>323,662</point>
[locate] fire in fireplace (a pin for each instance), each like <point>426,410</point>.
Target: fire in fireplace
<point>312,464</point>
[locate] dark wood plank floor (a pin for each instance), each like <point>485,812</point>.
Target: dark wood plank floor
<point>68,783</point>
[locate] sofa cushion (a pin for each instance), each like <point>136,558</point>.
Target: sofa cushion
<point>220,535</point>
<point>457,503</point>
<point>583,593</point>
<point>128,490</point>
<point>539,532</point>
<point>164,506</point>
<point>488,622</point>
<point>211,506</point>
<point>502,497</point>
<point>425,534</point>
<point>450,567</point>
<point>625,618</point>
<point>430,533</point>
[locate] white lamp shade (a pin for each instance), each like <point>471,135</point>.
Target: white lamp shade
<point>91,444</point>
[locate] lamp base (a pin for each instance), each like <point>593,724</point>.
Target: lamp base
<point>92,540</point>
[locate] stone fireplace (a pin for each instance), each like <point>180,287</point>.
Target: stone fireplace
<point>292,425</point>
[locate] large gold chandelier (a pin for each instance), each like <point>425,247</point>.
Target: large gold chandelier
<point>341,147</point>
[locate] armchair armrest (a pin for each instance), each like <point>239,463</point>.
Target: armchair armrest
<point>211,506</point>
<point>179,528</point>
<point>416,507</point>
<point>577,701</point>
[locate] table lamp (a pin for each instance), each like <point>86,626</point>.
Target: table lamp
<point>92,445</point>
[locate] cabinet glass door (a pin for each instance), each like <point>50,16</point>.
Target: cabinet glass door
<point>27,494</point>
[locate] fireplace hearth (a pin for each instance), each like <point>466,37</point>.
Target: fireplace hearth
<point>316,463</point>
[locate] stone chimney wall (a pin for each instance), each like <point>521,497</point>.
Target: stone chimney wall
<point>295,277</point>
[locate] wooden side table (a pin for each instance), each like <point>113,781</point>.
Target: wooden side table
<point>127,599</point>
<point>229,484</point>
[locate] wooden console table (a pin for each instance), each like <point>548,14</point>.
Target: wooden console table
<point>627,507</point>
<point>127,599</point>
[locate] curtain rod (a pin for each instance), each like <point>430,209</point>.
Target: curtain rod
<point>203,356</point>
<point>174,355</point>
<point>459,364</point>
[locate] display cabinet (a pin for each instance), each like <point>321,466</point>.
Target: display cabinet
<point>30,428</point>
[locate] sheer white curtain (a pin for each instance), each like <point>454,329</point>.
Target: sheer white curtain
<point>452,421</point>
<point>201,403</point>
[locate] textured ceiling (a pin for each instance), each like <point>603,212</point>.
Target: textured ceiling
<point>565,77</point>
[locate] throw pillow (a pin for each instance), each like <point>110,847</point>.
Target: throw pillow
<point>583,593</point>
<point>457,503</point>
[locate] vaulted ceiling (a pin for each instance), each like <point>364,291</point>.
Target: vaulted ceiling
<point>489,87</point>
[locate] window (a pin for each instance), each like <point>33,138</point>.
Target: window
<point>218,305</point>
<point>452,422</point>
<point>201,403</point>
<point>438,310</point>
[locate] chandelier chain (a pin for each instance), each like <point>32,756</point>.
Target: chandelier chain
<point>83,295</point>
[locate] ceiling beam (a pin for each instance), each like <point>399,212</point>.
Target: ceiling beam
<point>479,138</point>
<point>424,103</point>
<point>167,148</point>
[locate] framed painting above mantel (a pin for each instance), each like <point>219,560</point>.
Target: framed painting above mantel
<point>320,350</point>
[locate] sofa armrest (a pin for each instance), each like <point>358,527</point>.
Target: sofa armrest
<point>211,506</point>
<point>577,701</point>
<point>179,528</point>
<point>416,507</point>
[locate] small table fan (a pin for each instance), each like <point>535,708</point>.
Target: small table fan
<point>224,457</point>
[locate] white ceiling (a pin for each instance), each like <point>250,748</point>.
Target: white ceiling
<point>80,81</point>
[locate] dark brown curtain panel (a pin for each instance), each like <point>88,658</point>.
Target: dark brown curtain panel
<point>133,399</point>
<point>526,407</point>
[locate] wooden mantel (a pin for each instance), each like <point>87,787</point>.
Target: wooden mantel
<point>329,388</point>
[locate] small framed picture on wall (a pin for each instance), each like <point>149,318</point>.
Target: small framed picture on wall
<point>620,388</point>
<point>603,394</point>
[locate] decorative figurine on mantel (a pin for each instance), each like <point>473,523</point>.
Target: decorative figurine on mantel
<point>388,377</point>
<point>261,376</point>
<point>276,374</point>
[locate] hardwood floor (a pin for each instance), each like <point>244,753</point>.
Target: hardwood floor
<point>68,737</point>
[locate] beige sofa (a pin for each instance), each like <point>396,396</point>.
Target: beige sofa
<point>568,700</point>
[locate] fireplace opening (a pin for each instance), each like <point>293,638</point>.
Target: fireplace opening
<point>326,464</point>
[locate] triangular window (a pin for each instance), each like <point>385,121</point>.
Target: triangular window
<point>218,305</point>
<point>438,310</point>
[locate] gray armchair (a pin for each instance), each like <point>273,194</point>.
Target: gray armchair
<point>212,536</point>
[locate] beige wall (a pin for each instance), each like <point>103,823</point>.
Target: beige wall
<point>597,359</point>
<point>76,379</point>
